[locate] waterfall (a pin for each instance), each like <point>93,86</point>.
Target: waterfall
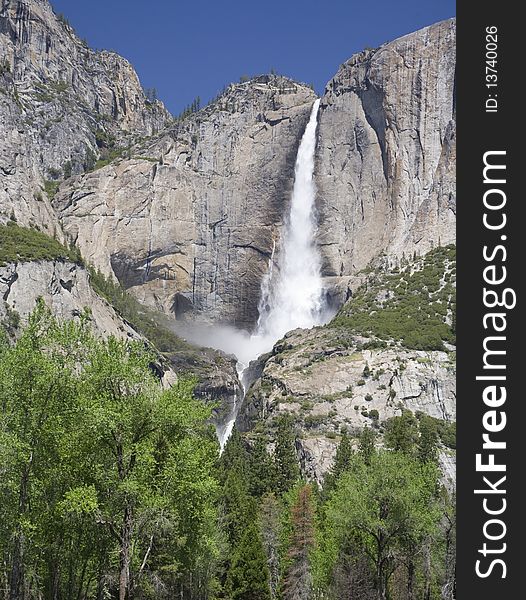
<point>293,296</point>
<point>291,292</point>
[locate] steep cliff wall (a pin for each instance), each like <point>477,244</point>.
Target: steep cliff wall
<point>59,103</point>
<point>385,163</point>
<point>189,221</point>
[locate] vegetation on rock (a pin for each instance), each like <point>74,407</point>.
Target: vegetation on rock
<point>414,304</point>
<point>21,244</point>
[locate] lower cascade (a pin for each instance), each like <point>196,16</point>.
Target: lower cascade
<point>292,294</point>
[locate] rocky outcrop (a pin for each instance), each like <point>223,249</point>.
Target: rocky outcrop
<point>60,103</point>
<point>385,161</point>
<point>332,381</point>
<point>66,290</point>
<point>188,223</point>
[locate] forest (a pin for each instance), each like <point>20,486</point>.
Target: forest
<point>112,486</point>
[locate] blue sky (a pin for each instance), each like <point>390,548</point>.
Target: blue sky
<point>194,48</point>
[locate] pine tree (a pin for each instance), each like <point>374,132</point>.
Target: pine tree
<point>248,577</point>
<point>239,507</point>
<point>261,470</point>
<point>235,456</point>
<point>285,456</point>
<point>297,581</point>
<point>341,464</point>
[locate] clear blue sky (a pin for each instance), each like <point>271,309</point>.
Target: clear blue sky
<point>194,48</point>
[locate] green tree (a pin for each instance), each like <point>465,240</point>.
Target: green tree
<point>248,577</point>
<point>142,430</point>
<point>286,460</point>
<point>427,447</point>
<point>239,507</point>
<point>99,461</point>
<point>342,462</point>
<point>37,391</point>
<point>378,508</point>
<point>367,444</point>
<point>402,432</point>
<point>261,469</point>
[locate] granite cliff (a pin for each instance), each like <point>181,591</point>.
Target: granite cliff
<point>186,214</point>
<point>385,166</point>
<point>60,103</point>
<point>188,222</point>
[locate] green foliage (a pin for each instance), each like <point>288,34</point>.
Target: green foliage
<point>107,478</point>
<point>342,462</point>
<point>418,309</point>
<point>20,244</point>
<point>367,448</point>
<point>381,510</point>
<point>261,470</point>
<point>248,577</point>
<point>448,433</point>
<point>192,108</point>
<point>108,151</point>
<point>51,188</point>
<point>446,430</point>
<point>428,442</point>
<point>287,470</point>
<point>67,169</point>
<point>401,433</point>
<point>374,414</point>
<point>145,321</point>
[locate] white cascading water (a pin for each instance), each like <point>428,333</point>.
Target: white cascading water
<point>291,292</point>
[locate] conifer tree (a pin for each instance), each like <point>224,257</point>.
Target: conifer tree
<point>366,447</point>
<point>248,577</point>
<point>287,469</point>
<point>261,469</point>
<point>341,464</point>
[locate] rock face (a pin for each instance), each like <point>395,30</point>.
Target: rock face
<point>187,214</point>
<point>385,161</point>
<point>66,290</point>
<point>59,103</point>
<point>191,225</point>
<point>189,222</point>
<point>329,384</point>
